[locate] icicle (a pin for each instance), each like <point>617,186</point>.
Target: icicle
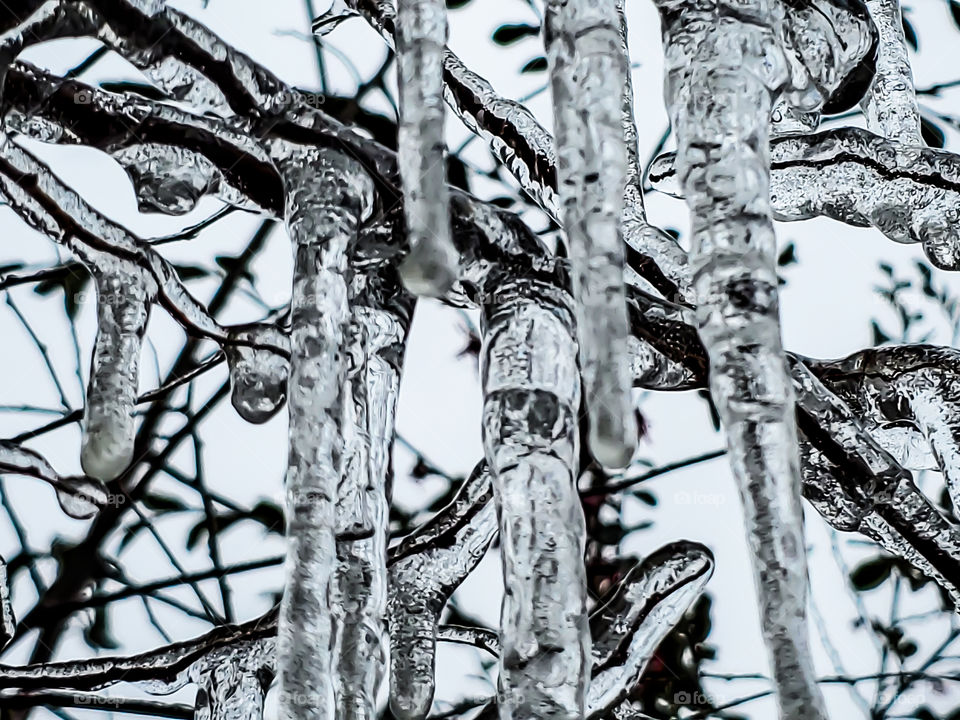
<point>231,684</point>
<point>890,106</point>
<point>910,194</point>
<point>359,587</point>
<point>8,623</point>
<point>632,621</point>
<point>588,73</point>
<point>327,195</point>
<point>425,569</point>
<point>124,296</point>
<point>430,268</point>
<point>530,432</point>
<point>258,376</point>
<point>721,74</point>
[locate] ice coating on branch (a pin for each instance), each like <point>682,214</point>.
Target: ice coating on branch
<point>431,266</point>
<point>150,7</point>
<point>327,196</point>
<point>910,194</point>
<point>630,623</point>
<point>258,376</point>
<point>124,295</point>
<point>425,569</point>
<point>531,395</point>
<point>918,384</point>
<point>890,106</point>
<point>786,119</point>
<point>588,73</point>
<point>907,445</point>
<point>359,585</point>
<point>8,623</point>
<point>79,497</point>
<point>723,70</point>
<point>232,682</point>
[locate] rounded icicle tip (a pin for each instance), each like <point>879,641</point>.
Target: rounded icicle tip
<point>613,438</point>
<point>102,457</point>
<point>430,269</point>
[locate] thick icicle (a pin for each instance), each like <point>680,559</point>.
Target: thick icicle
<point>425,569</point>
<point>890,106</point>
<point>124,296</point>
<point>630,623</point>
<point>588,72</point>
<point>258,376</point>
<point>431,266</point>
<point>530,419</point>
<point>327,196</point>
<point>723,69</point>
<point>358,592</point>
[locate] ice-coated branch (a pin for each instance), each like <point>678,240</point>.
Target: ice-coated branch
<point>629,624</point>
<point>910,194</point>
<point>588,73</point>
<point>531,391</point>
<point>8,623</point>
<point>48,205</point>
<point>425,568</point>
<point>328,195</point>
<point>890,105</point>
<point>358,592</point>
<point>79,497</point>
<point>430,267</point>
<point>917,384</point>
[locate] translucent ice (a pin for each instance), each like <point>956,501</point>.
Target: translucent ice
<point>530,431</point>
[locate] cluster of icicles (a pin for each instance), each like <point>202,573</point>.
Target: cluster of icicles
<point>746,83</point>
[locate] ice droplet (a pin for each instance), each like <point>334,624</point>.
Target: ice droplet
<point>258,376</point>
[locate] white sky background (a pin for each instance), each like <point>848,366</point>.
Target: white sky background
<point>826,308</point>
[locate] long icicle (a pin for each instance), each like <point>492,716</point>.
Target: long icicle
<point>124,295</point>
<point>431,266</point>
<point>720,109</point>
<point>327,195</point>
<point>588,72</point>
<point>530,432</point>
<point>359,588</point>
